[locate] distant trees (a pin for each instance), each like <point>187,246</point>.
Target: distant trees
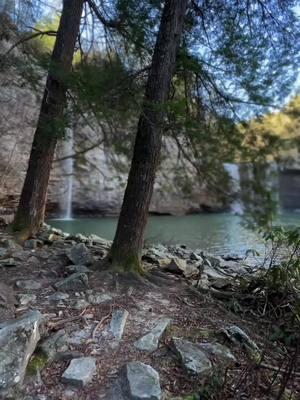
<point>30,213</point>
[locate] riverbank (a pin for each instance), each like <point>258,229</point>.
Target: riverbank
<point>183,335</point>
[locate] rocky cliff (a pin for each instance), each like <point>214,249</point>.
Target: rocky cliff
<point>98,175</point>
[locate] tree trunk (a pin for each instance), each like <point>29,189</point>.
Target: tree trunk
<point>128,242</point>
<point>31,209</point>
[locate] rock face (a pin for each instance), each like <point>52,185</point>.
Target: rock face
<point>18,340</point>
<point>141,382</point>
<point>95,190</point>
<point>80,371</point>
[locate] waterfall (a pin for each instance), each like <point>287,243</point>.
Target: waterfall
<point>68,167</point>
<point>234,173</point>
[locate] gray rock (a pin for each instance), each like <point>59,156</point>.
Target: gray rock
<point>79,254</point>
<point>31,244</point>
<point>55,343</point>
<point>141,382</point>
<point>18,340</point>
<point>221,352</point>
<point>8,262</point>
<point>80,336</point>
<point>58,296</point>
<point>28,284</point>
<point>150,341</point>
<point>96,299</point>
<point>181,267</point>
<point>77,281</point>
<point>117,323</point>
<point>80,371</point>
<point>71,269</point>
<point>80,304</point>
<point>192,357</point>
<point>195,257</point>
<point>240,338</point>
<point>26,298</point>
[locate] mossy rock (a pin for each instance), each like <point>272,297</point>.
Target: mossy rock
<point>37,362</point>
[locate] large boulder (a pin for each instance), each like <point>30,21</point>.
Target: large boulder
<point>18,340</point>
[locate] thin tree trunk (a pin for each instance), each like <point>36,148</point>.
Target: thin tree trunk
<point>30,213</point>
<point>128,242</point>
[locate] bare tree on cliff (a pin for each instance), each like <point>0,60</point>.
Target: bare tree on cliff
<point>30,213</point>
<point>128,242</point>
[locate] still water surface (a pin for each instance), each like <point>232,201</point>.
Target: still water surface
<point>216,233</point>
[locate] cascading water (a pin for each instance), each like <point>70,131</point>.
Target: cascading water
<point>68,168</point>
<point>234,173</point>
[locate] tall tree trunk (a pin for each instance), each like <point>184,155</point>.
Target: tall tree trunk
<point>128,242</point>
<point>30,213</point>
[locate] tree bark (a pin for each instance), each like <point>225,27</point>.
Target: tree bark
<point>128,242</point>
<point>50,127</point>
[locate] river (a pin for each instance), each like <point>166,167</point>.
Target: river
<point>217,233</point>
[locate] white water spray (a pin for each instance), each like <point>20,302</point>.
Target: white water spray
<point>234,173</point>
<point>68,167</point>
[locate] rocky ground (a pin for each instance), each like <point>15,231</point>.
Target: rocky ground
<point>67,333</point>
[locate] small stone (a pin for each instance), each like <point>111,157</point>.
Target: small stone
<point>58,296</point>
<point>150,341</point>
<point>80,304</point>
<point>192,357</point>
<point>96,299</point>
<point>28,284</point>
<point>117,323</point>
<point>79,254</point>
<point>77,281</point>
<point>141,382</point>
<point>55,343</point>
<point>179,266</point>
<point>26,298</point>
<point>71,269</point>
<point>80,371</point>
<point>31,244</point>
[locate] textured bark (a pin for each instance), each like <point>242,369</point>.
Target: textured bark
<point>30,213</point>
<point>128,242</point>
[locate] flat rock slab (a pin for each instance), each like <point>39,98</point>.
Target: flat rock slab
<point>96,299</point>
<point>192,357</point>
<point>79,254</point>
<point>219,351</point>
<point>117,323</point>
<point>18,340</point>
<point>77,281</point>
<point>141,382</point>
<point>150,341</point>
<point>28,284</point>
<point>80,371</point>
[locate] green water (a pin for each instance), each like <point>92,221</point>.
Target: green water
<point>216,233</point>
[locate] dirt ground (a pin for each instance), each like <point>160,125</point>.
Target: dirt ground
<point>195,316</point>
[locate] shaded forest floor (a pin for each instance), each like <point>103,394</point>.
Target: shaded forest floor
<point>82,315</point>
